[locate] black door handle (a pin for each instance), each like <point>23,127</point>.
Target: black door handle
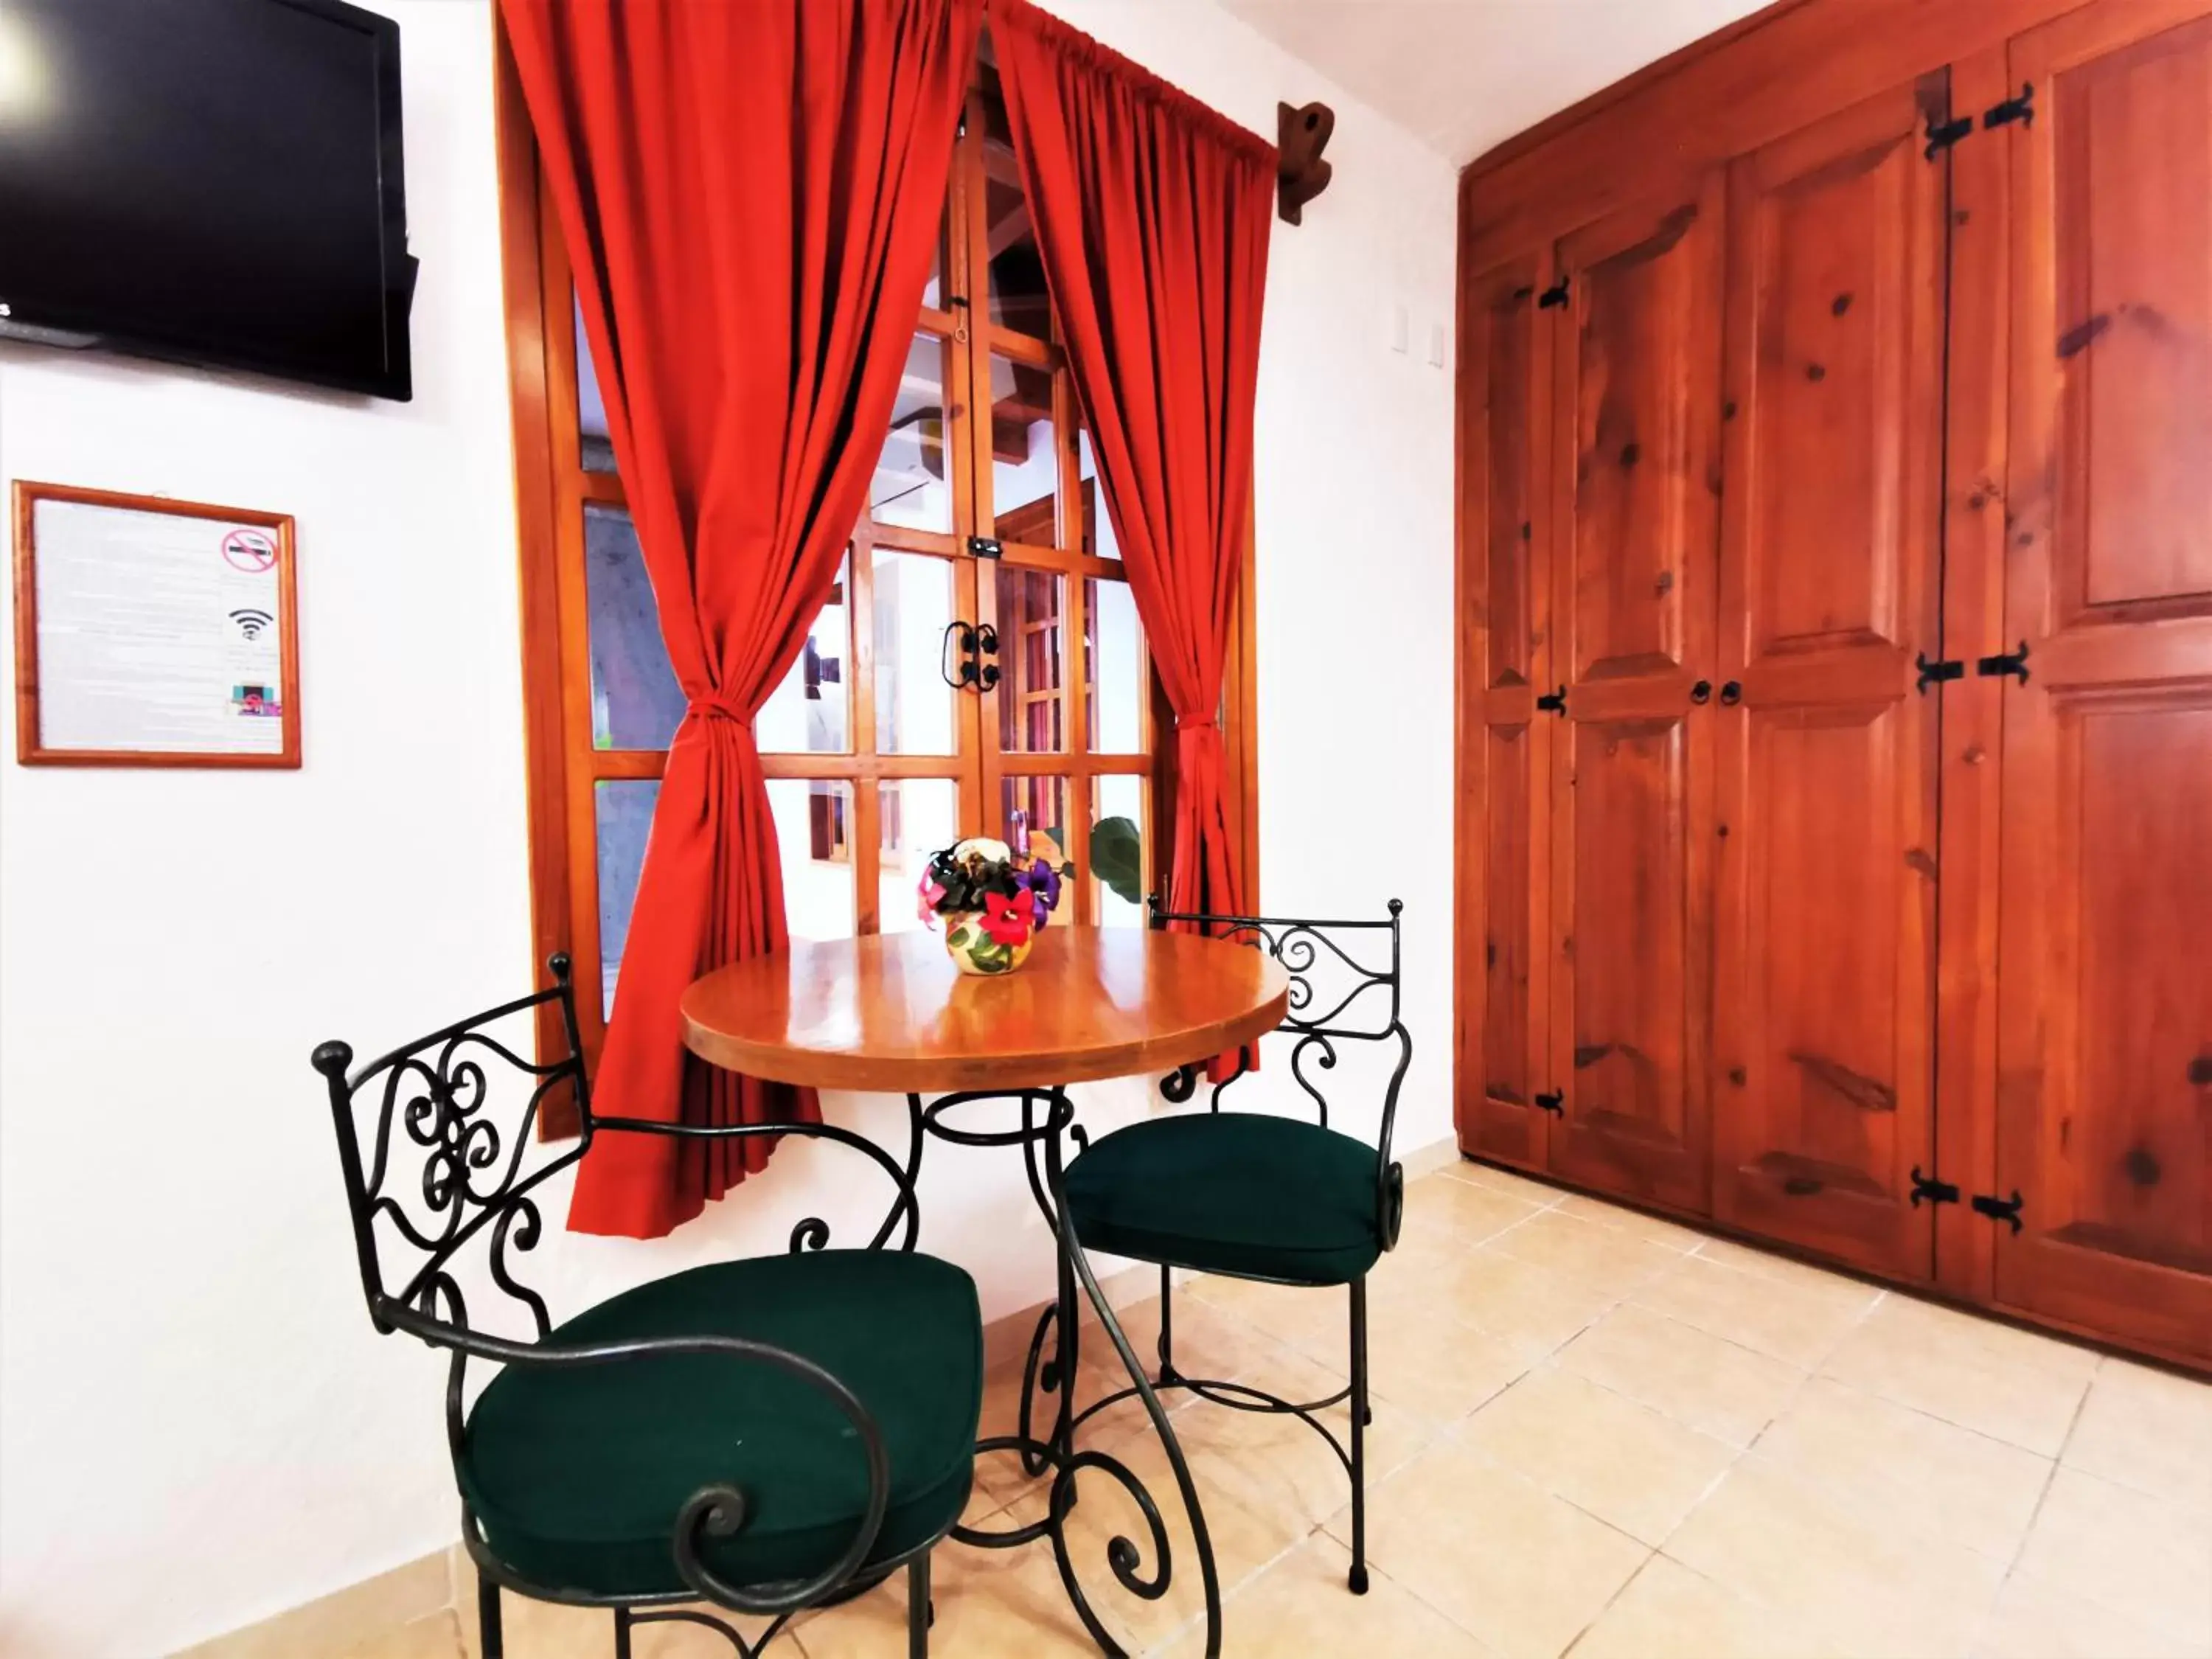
<point>1702,691</point>
<point>986,645</point>
<point>963,635</point>
<point>1732,693</point>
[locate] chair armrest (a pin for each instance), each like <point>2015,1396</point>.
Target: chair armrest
<point>717,1510</point>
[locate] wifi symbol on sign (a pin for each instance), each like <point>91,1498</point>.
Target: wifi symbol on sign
<point>251,623</point>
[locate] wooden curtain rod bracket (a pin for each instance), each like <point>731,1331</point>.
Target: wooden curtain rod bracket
<point>1301,134</point>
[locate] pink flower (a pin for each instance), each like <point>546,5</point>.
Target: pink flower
<point>929,892</point>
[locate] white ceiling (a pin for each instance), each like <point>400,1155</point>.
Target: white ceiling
<point>1460,75</point>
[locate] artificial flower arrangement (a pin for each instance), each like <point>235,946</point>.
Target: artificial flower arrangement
<point>994,899</point>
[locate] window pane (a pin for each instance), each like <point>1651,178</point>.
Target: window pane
<point>912,487</point>
<point>813,833</point>
<point>1031,648</point>
<point>810,713</point>
<point>933,295</point>
<point>914,707</point>
<point>1033,803</point>
<point>1017,298</point>
<point>599,449</point>
<point>1117,668</point>
<point>623,810</point>
<point>635,701</point>
<point>921,815</point>
<point>1024,459</point>
<point>1114,855</point>
<point>1096,532</point>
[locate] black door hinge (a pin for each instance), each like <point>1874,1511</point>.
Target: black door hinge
<point>1941,134</point>
<point>1931,1190</point>
<point>1999,1209</point>
<point>2020,109</point>
<point>1554,295</point>
<point>982,547</point>
<point>2007,662</point>
<point>1552,702</point>
<point>1933,671</point>
<point>1554,1103</point>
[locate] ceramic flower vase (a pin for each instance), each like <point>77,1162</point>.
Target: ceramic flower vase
<point>973,951</point>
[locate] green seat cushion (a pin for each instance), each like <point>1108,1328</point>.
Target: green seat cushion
<point>577,1473</point>
<point>1230,1193</point>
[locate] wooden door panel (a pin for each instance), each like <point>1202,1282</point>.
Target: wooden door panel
<point>1506,607</point>
<point>1644,297</point>
<point>2103,1110</point>
<point>1636,470</point>
<point>1823,1022</point>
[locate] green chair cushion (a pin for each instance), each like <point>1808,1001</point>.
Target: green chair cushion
<point>1236,1192</point>
<point>577,1473</point>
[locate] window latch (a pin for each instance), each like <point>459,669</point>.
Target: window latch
<point>982,547</point>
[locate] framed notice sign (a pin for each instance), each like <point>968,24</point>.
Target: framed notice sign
<point>151,632</point>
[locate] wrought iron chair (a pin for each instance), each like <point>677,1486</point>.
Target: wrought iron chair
<point>1251,1195</point>
<point>765,1435</point>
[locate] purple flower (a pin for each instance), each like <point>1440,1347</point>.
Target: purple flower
<point>1043,880</point>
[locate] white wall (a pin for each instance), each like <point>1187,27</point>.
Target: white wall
<point>197,1427</point>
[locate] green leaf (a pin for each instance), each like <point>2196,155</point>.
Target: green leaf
<point>1117,857</point>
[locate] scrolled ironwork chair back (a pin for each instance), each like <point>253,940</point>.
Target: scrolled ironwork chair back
<point>1346,979</point>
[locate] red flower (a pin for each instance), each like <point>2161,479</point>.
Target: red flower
<point>1009,921</point>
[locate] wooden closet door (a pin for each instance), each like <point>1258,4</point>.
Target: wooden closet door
<point>1636,466</point>
<point>1824,924</point>
<point>2105,930</point>
<point>1505,606</point>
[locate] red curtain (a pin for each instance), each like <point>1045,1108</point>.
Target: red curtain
<point>750,194</point>
<point>1152,214</point>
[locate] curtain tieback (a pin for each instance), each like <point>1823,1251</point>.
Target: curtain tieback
<point>711,708</point>
<point>1193,723</point>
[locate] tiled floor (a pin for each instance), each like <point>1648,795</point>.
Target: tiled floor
<point>1600,1435</point>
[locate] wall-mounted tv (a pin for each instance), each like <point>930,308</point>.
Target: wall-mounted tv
<point>207,181</point>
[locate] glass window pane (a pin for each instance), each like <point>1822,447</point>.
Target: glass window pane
<point>599,449</point>
<point>921,815</point>
<point>1033,803</point>
<point>623,810</point>
<point>1018,299</point>
<point>912,486</point>
<point>1114,855</point>
<point>810,714</point>
<point>1033,632</point>
<point>1025,458</point>
<point>635,701</point>
<point>1096,532</point>
<point>914,707</point>
<point>1118,684</point>
<point>933,295</point>
<point>813,834</point>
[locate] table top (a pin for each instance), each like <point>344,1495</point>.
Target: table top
<point>890,1012</point>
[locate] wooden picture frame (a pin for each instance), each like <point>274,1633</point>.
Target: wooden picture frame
<point>31,746</point>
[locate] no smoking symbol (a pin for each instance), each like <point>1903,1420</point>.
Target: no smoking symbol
<point>250,551</point>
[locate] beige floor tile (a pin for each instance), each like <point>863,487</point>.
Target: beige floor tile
<point>2033,1621</point>
<point>1438,1368</point>
<point>1208,1341</point>
<point>1312,1321</point>
<point>2007,1383</point>
<point>1651,1228</point>
<point>1622,1461</point>
<point>437,1636</point>
<point>1798,1322</point>
<point>991,1604</point>
<point>1891,1465</point>
<point>1610,1259</point>
<point>1668,1611</point>
<point>1705,1381</point>
<point>1521,1569</point>
<point>1466,1210</point>
<point>2147,1557</point>
<point>1768,1264</point>
<point>1532,1308</point>
<point>1875,1591</point>
<point>2146,1429</point>
<point>1300,1604</point>
<point>1503,1180</point>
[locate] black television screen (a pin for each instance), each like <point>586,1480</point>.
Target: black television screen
<point>212,181</point>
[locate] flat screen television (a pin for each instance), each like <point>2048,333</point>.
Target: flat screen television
<point>207,181</point>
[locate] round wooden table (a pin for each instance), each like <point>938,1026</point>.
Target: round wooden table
<point>890,1013</point>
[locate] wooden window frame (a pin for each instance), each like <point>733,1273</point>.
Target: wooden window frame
<point>552,489</point>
